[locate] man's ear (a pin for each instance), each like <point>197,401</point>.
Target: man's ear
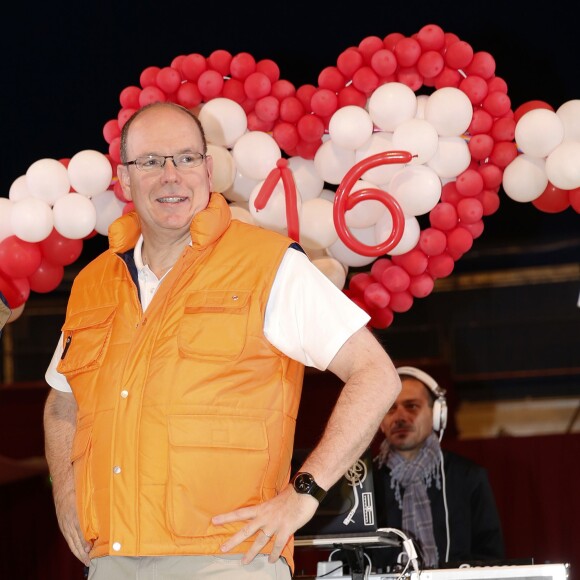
<point>125,181</point>
<point>209,167</point>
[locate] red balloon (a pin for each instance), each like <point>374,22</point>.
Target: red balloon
<point>148,77</point>
<point>219,61</point>
<point>497,103</point>
<point>257,85</point>
<point>210,84</point>
<point>459,241</point>
<point>575,199</point>
<point>480,146</point>
<point>286,135</point>
<point>431,37</point>
<point>407,51</point>
<point>448,77</point>
<point>60,250</point>
<point>381,317</point>
<point>469,210</point>
<point>401,301</point>
<point>376,295</point>
<point>255,123</point>
<point>365,79</point>
<point>379,266</point>
<point>269,68</point>
<point>111,130</point>
<point>469,183</point>
<point>475,229</point>
<point>504,152</point>
<point>440,266</point>
<point>384,62</point>
<point>492,175</point>
<point>188,95</point>
<point>530,106</point>
<point>310,128</point>
<point>129,97</point>
<point>267,108</point>
<point>458,54</point>
<point>331,78</point>
<point>481,122</point>
<point>47,277</point>
<point>192,66</point>
<point>552,200</point>
<point>360,281</point>
<point>13,292</point>
<point>432,241</point>
<point>242,65</point>
<point>349,61</point>
<point>168,79</point>
<point>282,89</point>
<point>443,216</point>
<point>414,261</point>
<point>430,64</point>
<point>18,258</point>
<point>391,40</point>
<point>421,285</point>
<point>482,64</point>
<point>489,200</point>
<point>449,193</point>
<point>411,77</point>
<point>151,94</point>
<point>475,88</point>
<point>395,279</point>
<point>351,96</point>
<point>369,46</point>
<point>23,286</point>
<point>324,102</point>
<point>504,129</point>
<point>304,95</point>
<point>291,110</point>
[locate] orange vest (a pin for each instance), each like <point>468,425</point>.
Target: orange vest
<point>184,411</point>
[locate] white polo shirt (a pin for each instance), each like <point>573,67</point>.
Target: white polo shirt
<point>307,317</point>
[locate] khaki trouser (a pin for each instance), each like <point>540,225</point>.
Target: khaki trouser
<point>218,567</point>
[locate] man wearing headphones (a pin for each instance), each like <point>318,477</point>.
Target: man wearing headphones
<point>441,500</point>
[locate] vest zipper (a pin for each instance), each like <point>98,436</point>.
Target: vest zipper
<point>66,345</point>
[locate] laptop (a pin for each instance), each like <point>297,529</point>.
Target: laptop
<point>347,515</point>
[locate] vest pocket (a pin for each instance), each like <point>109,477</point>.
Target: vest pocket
<point>216,464</point>
<point>86,335</point>
<point>80,458</point>
<point>214,325</point>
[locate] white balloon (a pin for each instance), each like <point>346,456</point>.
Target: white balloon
<point>525,179</point>
<point>109,207</point>
<point>450,111</point>
<point>241,188</point>
<point>89,172</point>
<point>421,102</point>
<point>31,219</point>
<point>350,127</point>
<point>241,213</point>
<point>256,154</point>
<point>19,189</point>
<point>409,239</point>
<point>317,230</point>
<point>224,121</point>
<point>332,269</point>
<point>307,180</point>
<point>417,188</point>
<point>74,216</point>
<point>452,157</point>
<point>569,114</point>
<point>380,142</point>
<point>539,132</point>
<point>365,213</point>
<point>346,256</point>
<point>418,137</point>
<point>6,218</point>
<point>224,168</point>
<point>391,104</point>
<point>332,162</point>
<point>563,165</point>
<point>273,215</point>
<point>47,179</point>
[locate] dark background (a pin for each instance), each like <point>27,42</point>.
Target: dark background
<point>64,65</point>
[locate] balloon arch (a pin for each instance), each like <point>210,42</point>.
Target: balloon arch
<point>399,127</point>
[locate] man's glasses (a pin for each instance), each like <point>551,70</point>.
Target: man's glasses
<point>157,162</point>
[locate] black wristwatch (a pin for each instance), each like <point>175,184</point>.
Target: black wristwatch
<point>304,483</point>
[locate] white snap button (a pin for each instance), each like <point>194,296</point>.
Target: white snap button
<point>117,546</point>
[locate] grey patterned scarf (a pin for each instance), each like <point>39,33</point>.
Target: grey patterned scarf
<point>414,477</point>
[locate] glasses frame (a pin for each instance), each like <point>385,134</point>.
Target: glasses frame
<point>135,161</point>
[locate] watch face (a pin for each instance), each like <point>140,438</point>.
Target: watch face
<point>303,483</point>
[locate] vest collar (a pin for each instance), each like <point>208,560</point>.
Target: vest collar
<point>206,227</point>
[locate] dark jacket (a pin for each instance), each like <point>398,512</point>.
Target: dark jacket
<point>474,524</point>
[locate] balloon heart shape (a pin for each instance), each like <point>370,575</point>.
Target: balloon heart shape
<point>399,129</point>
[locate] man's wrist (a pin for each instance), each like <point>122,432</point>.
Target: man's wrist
<point>305,484</point>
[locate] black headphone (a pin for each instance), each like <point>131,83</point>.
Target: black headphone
<point>440,403</point>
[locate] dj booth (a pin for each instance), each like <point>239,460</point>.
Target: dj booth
<point>529,572</point>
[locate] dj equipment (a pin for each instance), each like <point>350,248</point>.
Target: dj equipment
<point>440,403</point>
<point>528,572</point>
